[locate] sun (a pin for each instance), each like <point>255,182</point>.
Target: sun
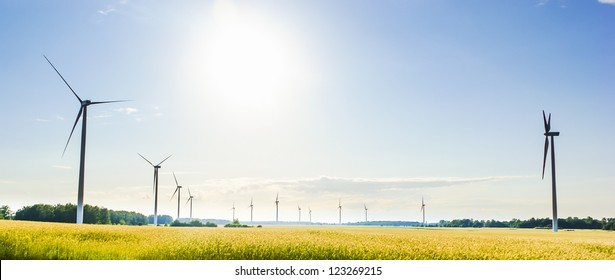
<point>246,63</point>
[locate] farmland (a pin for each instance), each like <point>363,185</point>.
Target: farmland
<point>38,240</point>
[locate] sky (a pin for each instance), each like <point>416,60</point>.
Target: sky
<point>376,103</point>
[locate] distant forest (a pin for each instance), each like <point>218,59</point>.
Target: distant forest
<point>99,215</point>
<point>568,223</point>
<point>66,214</point>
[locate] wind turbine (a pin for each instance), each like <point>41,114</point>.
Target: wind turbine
<point>233,211</point>
<point>83,110</point>
<point>189,200</point>
<point>299,208</point>
<point>178,190</point>
<point>251,209</point>
<point>156,167</point>
<point>548,133</point>
<point>365,206</point>
<point>340,207</point>
<point>423,210</point>
<point>310,213</point>
<point>276,207</point>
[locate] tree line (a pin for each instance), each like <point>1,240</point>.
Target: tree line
<point>66,213</point>
<point>568,223</point>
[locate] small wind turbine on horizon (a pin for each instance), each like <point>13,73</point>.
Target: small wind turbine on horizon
<point>340,208</point>
<point>299,208</point>
<point>156,167</point>
<point>276,207</point>
<point>83,110</point>
<point>423,210</point>
<point>251,209</point>
<point>190,197</point>
<point>178,190</point>
<point>365,206</point>
<point>310,213</point>
<point>548,132</point>
<point>233,211</point>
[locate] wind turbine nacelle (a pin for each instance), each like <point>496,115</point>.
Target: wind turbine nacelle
<point>553,133</point>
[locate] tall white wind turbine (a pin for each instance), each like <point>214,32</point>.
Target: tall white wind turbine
<point>156,167</point>
<point>83,110</point>
<point>548,133</point>
<point>178,190</point>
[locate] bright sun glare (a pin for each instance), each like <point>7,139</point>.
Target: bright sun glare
<point>246,63</point>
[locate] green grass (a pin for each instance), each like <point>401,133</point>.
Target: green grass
<point>37,240</point>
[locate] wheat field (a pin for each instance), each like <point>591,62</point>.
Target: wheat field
<point>38,240</point>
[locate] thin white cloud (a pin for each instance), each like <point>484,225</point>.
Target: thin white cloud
<point>106,11</point>
<point>127,110</point>
<point>102,116</point>
<point>333,185</point>
<point>60,118</point>
<point>41,120</point>
<point>610,2</point>
<point>541,3</point>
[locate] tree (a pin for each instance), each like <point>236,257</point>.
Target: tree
<point>162,219</point>
<point>6,213</point>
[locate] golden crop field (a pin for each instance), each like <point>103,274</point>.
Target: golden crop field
<point>38,240</point>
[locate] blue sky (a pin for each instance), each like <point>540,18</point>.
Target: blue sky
<point>375,102</point>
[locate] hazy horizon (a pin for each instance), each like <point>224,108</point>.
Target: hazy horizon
<point>371,102</point>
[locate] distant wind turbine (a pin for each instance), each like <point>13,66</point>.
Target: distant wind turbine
<point>299,208</point>
<point>251,209</point>
<point>423,210</point>
<point>83,110</point>
<point>548,133</point>
<point>233,210</point>
<point>340,207</point>
<point>156,167</point>
<point>276,207</point>
<point>190,197</point>
<point>178,190</point>
<point>365,206</point>
<point>310,213</point>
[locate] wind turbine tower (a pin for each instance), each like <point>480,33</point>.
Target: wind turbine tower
<point>548,133</point>
<point>251,209</point>
<point>299,208</point>
<point>190,197</point>
<point>156,167</point>
<point>178,190</point>
<point>310,213</point>
<point>83,110</point>
<point>365,206</point>
<point>233,211</point>
<point>276,207</point>
<point>423,210</point>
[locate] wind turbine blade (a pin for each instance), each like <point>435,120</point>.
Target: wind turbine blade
<point>174,193</point>
<point>73,130</point>
<point>164,160</point>
<point>187,201</point>
<point>544,118</point>
<point>549,122</point>
<point>544,161</point>
<point>176,183</point>
<point>114,101</point>
<point>145,159</point>
<point>189,193</point>
<point>71,89</point>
